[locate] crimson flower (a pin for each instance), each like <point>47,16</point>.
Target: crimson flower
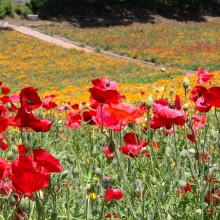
<point>27,177</point>
<point>104,91</point>
<point>105,84</point>
<point>29,98</point>
<point>212,96</point>
<point>46,160</point>
<point>105,96</point>
<point>187,188</point>
<point>203,76</point>
<point>113,194</point>
<point>213,196</point>
<point>111,215</point>
<point>74,121</point>
<point>4,169</point>
<point>3,124</point>
<point>26,119</point>
<point>48,104</point>
<point>23,149</point>
<point>133,146</point>
<point>87,117</point>
<point>197,92</point>
<point>108,153</point>
<point>3,111</point>
<point>5,90</point>
<point>3,145</point>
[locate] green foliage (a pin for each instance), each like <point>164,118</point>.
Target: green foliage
<point>22,10</point>
<point>5,8</point>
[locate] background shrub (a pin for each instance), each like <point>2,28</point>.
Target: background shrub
<point>5,8</point>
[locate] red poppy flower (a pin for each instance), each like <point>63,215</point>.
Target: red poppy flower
<point>104,91</point>
<point>75,106</point>
<point>213,196</point>
<point>125,112</point>
<point>187,188</point>
<point>203,76</point>
<point>166,115</point>
<point>105,96</point>
<point>113,194</point>
<point>87,117</point>
<point>4,169</point>
<point>5,90</point>
<point>133,146</point>
<point>103,118</point>
<point>26,119</point>
<point>3,124</point>
<point>212,96</point>
<point>46,160</point>
<point>105,84</point>
<point>111,215</point>
<point>3,145</point>
<point>27,177</point>
<point>196,92</point>
<point>192,137</point>
<point>108,153</point>
<point>29,98</point>
<point>201,105</point>
<point>74,121</point>
<point>48,104</point>
<point>3,111</point>
<point>22,149</point>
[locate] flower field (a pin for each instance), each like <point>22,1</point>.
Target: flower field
<point>183,45</point>
<point>85,137</point>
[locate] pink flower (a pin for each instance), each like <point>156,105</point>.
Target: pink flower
<point>203,76</point>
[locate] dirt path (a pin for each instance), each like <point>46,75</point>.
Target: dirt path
<point>75,45</point>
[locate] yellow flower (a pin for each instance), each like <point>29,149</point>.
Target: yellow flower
<point>92,196</point>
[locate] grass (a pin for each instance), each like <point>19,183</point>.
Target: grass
<point>182,45</point>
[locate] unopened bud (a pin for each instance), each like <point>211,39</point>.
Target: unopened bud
<point>162,69</point>
<point>186,83</point>
<point>149,102</point>
<point>192,151</point>
<point>185,107</point>
<point>168,151</point>
<point>182,183</point>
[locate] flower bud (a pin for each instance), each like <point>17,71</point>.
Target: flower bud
<point>185,107</point>
<point>192,151</point>
<point>149,101</point>
<point>171,91</point>
<point>182,183</point>
<point>10,155</point>
<point>153,180</point>
<point>162,69</point>
<point>24,205</point>
<point>98,171</point>
<point>186,83</point>
<point>168,151</point>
